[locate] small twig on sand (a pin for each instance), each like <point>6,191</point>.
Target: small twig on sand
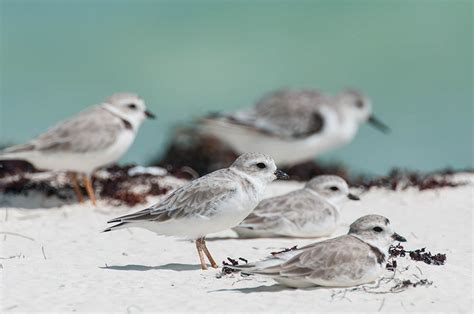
<point>42,250</point>
<point>10,257</point>
<point>5,220</point>
<point>421,273</point>
<point>381,305</point>
<point>17,234</point>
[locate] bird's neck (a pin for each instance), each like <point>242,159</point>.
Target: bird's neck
<point>331,200</point>
<point>379,245</point>
<point>258,184</point>
<point>129,121</point>
<point>347,123</point>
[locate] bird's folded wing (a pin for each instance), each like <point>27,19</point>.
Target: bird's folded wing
<point>283,114</point>
<point>93,129</point>
<point>297,208</point>
<point>200,197</point>
<point>269,214</point>
<point>337,257</point>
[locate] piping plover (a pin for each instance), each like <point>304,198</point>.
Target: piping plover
<point>93,138</point>
<point>294,126</point>
<point>349,260</point>
<point>212,203</point>
<point>309,212</point>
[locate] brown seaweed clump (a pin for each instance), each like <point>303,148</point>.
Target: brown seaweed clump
<point>227,265</point>
<point>201,153</point>
<point>119,186</point>
<point>419,255</point>
<point>13,167</point>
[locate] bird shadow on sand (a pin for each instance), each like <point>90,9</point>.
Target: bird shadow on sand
<point>170,266</point>
<point>259,289</point>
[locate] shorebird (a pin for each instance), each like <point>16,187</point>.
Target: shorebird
<point>294,126</point>
<point>308,212</point>
<point>215,202</point>
<point>349,260</point>
<point>95,137</point>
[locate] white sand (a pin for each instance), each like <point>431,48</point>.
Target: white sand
<point>63,263</point>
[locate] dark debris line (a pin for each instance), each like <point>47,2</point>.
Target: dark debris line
<point>203,155</point>
<point>117,188</point>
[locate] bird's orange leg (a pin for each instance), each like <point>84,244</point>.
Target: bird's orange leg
<point>208,254</point>
<point>89,188</point>
<point>76,187</point>
<point>199,247</point>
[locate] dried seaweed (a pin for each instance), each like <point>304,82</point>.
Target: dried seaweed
<point>23,185</point>
<point>427,257</point>
<point>419,255</point>
<point>408,283</point>
<point>226,269</point>
<point>404,179</point>
<point>14,167</point>
<point>203,153</point>
<point>117,186</point>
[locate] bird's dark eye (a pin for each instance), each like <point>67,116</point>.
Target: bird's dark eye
<point>334,188</point>
<point>132,106</point>
<point>359,103</point>
<point>261,165</point>
<point>377,229</point>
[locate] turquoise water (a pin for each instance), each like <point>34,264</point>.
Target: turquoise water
<point>413,58</point>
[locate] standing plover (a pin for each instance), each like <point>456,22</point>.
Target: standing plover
<point>349,260</point>
<point>93,138</point>
<point>309,212</point>
<point>294,126</point>
<point>212,203</point>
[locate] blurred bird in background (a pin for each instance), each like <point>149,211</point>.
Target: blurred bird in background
<point>95,137</point>
<point>294,126</point>
<point>312,211</point>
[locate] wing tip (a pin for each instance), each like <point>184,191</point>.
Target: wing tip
<point>117,226</point>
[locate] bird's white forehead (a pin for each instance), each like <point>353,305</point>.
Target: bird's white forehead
<point>118,98</point>
<point>254,156</point>
<point>369,220</point>
<point>325,179</point>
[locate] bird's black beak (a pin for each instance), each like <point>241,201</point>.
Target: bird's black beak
<point>379,125</point>
<point>398,237</point>
<point>149,114</point>
<point>281,175</point>
<point>353,197</point>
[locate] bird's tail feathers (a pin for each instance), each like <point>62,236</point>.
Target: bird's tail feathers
<point>115,227</point>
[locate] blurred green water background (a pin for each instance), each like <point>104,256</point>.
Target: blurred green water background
<point>413,58</point>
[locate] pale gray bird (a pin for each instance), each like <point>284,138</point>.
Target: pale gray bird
<point>349,260</point>
<point>305,213</point>
<point>294,126</point>
<point>215,202</point>
<point>95,137</point>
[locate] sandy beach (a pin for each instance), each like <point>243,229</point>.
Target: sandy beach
<point>57,259</point>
